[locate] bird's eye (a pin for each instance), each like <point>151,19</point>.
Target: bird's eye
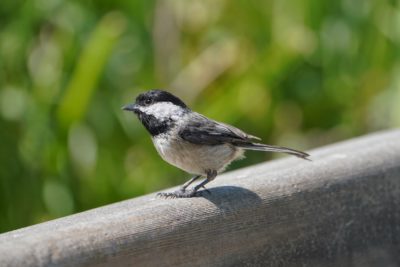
<point>148,101</point>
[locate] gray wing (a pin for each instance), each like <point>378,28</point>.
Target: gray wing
<point>203,131</point>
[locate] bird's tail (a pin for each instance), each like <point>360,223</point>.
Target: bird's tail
<point>269,148</point>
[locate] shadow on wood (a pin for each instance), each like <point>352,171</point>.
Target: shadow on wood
<point>341,209</point>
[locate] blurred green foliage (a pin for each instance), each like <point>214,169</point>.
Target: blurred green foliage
<point>296,73</point>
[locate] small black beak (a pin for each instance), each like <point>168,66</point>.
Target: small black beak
<point>131,107</point>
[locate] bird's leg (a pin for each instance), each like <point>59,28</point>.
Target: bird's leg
<point>210,176</point>
<point>181,192</point>
<point>185,185</point>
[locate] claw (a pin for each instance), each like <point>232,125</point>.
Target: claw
<point>178,194</point>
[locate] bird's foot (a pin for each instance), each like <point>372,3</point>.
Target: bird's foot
<point>178,194</point>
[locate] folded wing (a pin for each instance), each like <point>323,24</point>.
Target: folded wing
<point>203,131</point>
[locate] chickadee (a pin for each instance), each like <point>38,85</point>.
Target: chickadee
<point>191,141</point>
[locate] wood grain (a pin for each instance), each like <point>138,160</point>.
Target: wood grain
<point>340,209</point>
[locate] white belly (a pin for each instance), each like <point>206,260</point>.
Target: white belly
<point>196,159</point>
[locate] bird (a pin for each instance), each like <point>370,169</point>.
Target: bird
<point>192,142</point>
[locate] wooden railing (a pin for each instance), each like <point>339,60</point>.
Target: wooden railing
<point>340,209</point>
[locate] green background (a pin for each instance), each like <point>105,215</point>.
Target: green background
<point>296,73</point>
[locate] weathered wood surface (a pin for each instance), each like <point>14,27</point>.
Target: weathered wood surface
<point>341,209</point>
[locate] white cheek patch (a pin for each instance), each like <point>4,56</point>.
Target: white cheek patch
<point>163,110</point>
